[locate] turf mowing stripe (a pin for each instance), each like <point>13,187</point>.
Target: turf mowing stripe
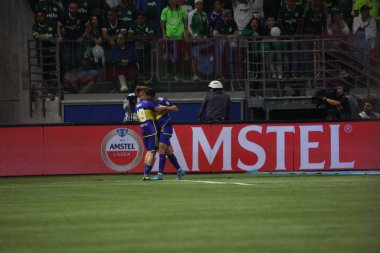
<point>216,182</point>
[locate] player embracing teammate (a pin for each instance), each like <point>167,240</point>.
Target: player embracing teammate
<point>154,116</point>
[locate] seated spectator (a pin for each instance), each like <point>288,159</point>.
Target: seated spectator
<point>364,31</point>
<point>336,25</point>
<point>125,13</point>
<point>52,10</point>
<point>215,16</point>
<point>82,79</point>
<point>111,28</point>
<point>367,112</point>
<point>121,63</point>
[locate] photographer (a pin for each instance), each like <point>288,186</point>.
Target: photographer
<point>346,104</point>
<point>129,105</point>
<point>130,101</point>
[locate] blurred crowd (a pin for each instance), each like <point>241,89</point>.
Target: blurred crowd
<point>116,34</point>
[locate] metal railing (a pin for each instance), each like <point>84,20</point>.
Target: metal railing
<point>44,72</point>
<point>260,66</point>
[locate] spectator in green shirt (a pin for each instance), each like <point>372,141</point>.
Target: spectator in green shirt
<point>45,33</point>
<point>198,21</point>
<point>174,30</point>
<point>224,30</point>
<point>52,10</point>
<point>226,27</point>
<point>142,35</point>
<point>174,21</point>
<point>373,4</point>
<point>197,29</point>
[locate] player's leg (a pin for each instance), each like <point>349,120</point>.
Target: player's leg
<point>161,162</point>
<point>150,145</point>
<point>173,160</point>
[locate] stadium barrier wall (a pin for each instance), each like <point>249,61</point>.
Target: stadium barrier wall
<point>200,148</point>
<point>112,113</point>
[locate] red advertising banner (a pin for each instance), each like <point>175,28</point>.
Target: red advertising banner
<point>199,148</point>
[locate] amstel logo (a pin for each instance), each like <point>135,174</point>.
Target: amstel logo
<point>122,149</point>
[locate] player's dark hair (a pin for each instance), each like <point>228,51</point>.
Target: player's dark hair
<point>150,92</point>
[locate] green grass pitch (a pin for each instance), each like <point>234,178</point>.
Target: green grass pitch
<point>203,213</point>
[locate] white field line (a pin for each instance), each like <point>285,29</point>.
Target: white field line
<point>215,182</point>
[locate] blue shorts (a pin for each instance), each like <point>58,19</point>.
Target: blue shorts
<point>150,143</point>
<point>165,138</point>
<point>165,134</point>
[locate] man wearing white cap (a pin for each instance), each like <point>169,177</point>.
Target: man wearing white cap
<point>216,103</point>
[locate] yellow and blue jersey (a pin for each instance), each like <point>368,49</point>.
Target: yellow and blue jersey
<point>145,111</point>
<point>163,117</point>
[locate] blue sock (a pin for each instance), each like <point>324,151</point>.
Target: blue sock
<point>147,169</point>
<point>174,161</point>
<point>161,164</point>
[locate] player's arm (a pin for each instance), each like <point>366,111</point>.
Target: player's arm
<point>169,108</point>
<point>172,108</point>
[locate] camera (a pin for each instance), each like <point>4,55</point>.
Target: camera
<point>317,100</point>
<point>328,93</point>
<point>132,99</point>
